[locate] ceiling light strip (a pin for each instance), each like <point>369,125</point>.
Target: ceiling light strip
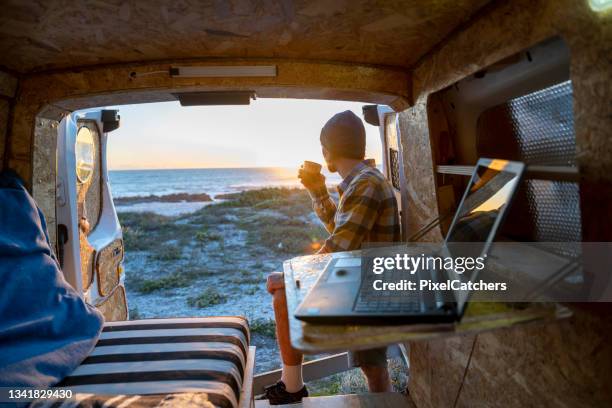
<point>224,71</point>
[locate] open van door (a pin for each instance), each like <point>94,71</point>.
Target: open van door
<point>392,159</point>
<point>90,243</point>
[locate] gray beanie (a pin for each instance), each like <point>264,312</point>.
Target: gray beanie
<point>344,135</point>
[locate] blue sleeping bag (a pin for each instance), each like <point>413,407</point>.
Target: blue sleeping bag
<point>46,329</point>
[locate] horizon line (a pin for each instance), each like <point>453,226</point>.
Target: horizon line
<point>204,168</point>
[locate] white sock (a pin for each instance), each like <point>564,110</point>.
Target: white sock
<point>292,377</point>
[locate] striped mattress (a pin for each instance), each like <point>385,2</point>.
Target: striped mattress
<point>156,362</point>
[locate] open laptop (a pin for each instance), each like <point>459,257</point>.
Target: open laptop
<point>343,294</point>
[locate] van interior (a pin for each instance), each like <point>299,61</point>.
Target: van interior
<point>445,83</point>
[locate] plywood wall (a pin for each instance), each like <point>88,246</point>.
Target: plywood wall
<point>44,163</point>
<point>564,364</point>
<point>57,34</point>
<point>502,29</point>
<point>8,89</point>
<point>4,117</point>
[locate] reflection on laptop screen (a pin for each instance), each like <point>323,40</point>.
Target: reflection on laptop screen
<point>487,198</point>
<point>489,192</point>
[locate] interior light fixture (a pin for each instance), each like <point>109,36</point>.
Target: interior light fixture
<point>224,71</point>
<point>600,5</point>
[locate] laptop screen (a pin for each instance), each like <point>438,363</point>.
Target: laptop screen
<point>487,197</point>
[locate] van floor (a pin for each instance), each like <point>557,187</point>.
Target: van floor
<point>385,400</point>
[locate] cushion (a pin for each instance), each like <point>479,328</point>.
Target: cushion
<point>157,357</point>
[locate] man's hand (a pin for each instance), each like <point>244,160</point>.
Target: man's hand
<point>276,281</point>
<point>311,181</point>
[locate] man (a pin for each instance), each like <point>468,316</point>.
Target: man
<point>366,212</point>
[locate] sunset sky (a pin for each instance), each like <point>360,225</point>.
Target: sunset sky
<point>269,132</point>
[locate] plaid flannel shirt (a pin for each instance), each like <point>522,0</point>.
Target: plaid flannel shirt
<point>366,211</point>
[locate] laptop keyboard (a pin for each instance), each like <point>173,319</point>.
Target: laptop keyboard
<point>370,300</point>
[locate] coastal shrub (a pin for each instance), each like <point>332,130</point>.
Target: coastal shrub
<point>295,204</point>
<point>250,198</point>
<point>257,220</point>
<point>195,271</point>
<point>145,221</point>
<point>175,280</point>
<point>167,253</point>
<point>291,236</point>
<point>209,297</point>
<point>292,202</point>
<point>168,198</point>
<point>209,215</point>
<point>252,277</point>
<point>354,382</point>
<point>206,236</point>
<point>264,327</point>
<point>287,237</point>
<point>145,231</point>
<point>134,314</point>
<point>397,370</point>
<point>331,385</point>
<point>246,277</point>
<point>135,240</point>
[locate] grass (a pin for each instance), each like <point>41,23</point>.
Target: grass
<point>277,222</point>
<point>146,231</point>
<point>284,235</point>
<point>176,280</point>
<point>245,281</point>
<point>209,297</point>
<point>167,253</point>
<point>207,236</point>
<point>264,327</point>
<point>292,202</point>
<point>251,198</point>
<point>246,277</point>
<point>331,385</point>
<point>212,214</point>
<point>353,381</point>
<point>286,231</point>
<point>288,238</point>
<point>134,314</point>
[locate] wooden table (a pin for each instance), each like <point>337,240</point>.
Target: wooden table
<point>313,339</point>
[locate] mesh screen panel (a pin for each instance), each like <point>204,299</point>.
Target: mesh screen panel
<point>537,129</point>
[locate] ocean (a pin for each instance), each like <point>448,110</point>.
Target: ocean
<point>134,183</point>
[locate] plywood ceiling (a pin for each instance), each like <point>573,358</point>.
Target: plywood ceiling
<point>42,35</point>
